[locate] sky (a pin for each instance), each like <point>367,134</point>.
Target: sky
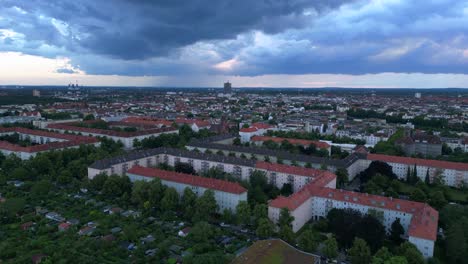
<point>261,43</point>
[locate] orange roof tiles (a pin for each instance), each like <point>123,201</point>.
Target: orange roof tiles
<point>209,183</point>
<point>70,140</point>
<point>248,129</point>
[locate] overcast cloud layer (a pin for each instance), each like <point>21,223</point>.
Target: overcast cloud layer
<point>242,37</point>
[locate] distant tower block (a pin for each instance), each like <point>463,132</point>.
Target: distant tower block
<point>36,93</point>
<point>417,95</point>
<point>227,88</point>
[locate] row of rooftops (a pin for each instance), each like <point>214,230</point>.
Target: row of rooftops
<point>420,162</point>
<point>70,140</point>
<point>164,122</point>
<point>74,128</point>
<point>211,143</point>
<point>280,168</point>
<point>281,154</point>
<point>140,154</point>
<point>208,183</point>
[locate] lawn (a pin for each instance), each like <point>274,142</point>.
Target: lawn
<point>272,252</point>
<point>453,195</point>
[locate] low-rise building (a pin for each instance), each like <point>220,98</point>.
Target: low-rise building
<point>276,174</point>
<point>40,141</point>
<point>227,194</point>
<point>316,199</point>
<point>127,138</point>
<point>453,174</point>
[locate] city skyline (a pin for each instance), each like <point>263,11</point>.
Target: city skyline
<point>361,44</point>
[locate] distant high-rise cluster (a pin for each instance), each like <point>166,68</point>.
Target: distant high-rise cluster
<point>227,88</point>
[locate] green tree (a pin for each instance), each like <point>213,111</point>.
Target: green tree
<point>11,207</point>
<point>117,186</point>
<point>41,164</point>
<point>287,189</point>
<point>170,200</point>
<point>41,189</point>
<point>188,201</point>
<point>201,232</point>
<point>227,216</point>
<point>243,213</point>
<point>205,207</point>
<point>396,260</point>
<point>98,181</point>
<point>456,247</point>
<point>437,200</point>
<point>396,231</point>
<point>308,241</point>
<point>411,253</point>
<point>381,256</point>
<point>260,211</point>
<point>140,193</point>
<point>341,177</point>
<point>184,168</point>
<point>65,177</point>
<point>20,174</point>
<point>265,228</point>
<point>285,218</point>
<point>155,192</point>
<point>330,249</point>
<point>360,252</point>
<point>286,233</point>
<point>237,141</point>
<point>418,195</point>
<point>427,179</point>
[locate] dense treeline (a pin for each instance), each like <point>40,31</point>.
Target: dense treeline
<point>173,140</point>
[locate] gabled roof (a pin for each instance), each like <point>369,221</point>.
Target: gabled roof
<point>73,127</point>
<point>208,183</point>
<point>421,162</point>
<point>69,140</point>
<point>248,130</point>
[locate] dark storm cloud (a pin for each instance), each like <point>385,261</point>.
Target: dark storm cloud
<point>129,29</point>
<point>243,37</point>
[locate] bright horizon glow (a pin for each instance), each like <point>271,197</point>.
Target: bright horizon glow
<point>21,69</point>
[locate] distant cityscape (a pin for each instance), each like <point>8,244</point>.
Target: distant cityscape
<point>152,172</point>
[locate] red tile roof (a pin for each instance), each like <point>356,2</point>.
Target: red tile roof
<point>199,123</point>
<point>73,127</point>
<point>70,140</point>
<point>288,169</point>
<point>209,183</point>
<point>248,130</point>
<point>261,125</point>
<point>64,226</point>
<point>420,162</point>
<point>294,141</point>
